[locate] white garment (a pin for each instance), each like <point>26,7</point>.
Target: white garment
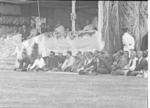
<point>88,28</point>
<point>40,63</point>
<point>128,42</point>
<point>133,65</point>
<point>68,62</point>
<point>60,29</point>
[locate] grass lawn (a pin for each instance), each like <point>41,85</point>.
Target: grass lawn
<point>62,90</point>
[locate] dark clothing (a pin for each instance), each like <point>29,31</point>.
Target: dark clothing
<point>23,64</point>
<point>123,61</point>
<point>103,66</point>
<point>144,45</point>
<point>143,65</point>
<point>61,59</point>
<point>89,67</point>
<point>52,62</point>
<point>92,64</point>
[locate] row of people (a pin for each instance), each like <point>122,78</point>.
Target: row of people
<point>93,63</point>
<point>135,65</point>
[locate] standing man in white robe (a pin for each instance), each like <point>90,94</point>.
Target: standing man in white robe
<point>128,42</point>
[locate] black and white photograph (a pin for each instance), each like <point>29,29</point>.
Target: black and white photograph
<point>73,54</point>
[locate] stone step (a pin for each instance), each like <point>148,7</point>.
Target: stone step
<point>7,63</point>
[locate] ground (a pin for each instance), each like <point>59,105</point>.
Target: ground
<point>65,90</point>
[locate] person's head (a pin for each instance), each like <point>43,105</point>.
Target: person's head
<point>69,53</point>
<point>133,54</point>
<point>139,54</point>
<point>52,53</point>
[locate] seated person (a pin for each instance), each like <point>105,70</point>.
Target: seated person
<point>89,66</point>
<point>77,62</point>
<point>145,55</point>
<point>132,62</point>
<point>24,62</point>
<point>103,64</point>
<point>83,61</point>
<point>116,57</point>
<point>120,67</point>
<point>68,63</point>
<point>141,65</point>
<point>51,61</point>
<point>61,59</point>
<point>38,64</point>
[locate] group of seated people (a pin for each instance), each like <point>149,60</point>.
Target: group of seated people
<point>96,62</point>
<point>135,65</point>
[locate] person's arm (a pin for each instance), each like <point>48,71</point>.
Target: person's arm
<point>63,67</point>
<point>133,66</point>
<point>34,64</point>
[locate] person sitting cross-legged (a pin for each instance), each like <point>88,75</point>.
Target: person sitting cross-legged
<point>132,63</point>
<point>38,65</point>
<point>104,62</point>
<point>89,65</point>
<point>60,59</point>
<point>141,65</point>
<point>24,62</point>
<point>121,66</point>
<point>78,62</point>
<point>49,61</point>
<point>68,63</point>
<point>116,57</point>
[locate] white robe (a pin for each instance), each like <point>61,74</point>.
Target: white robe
<point>128,42</point>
